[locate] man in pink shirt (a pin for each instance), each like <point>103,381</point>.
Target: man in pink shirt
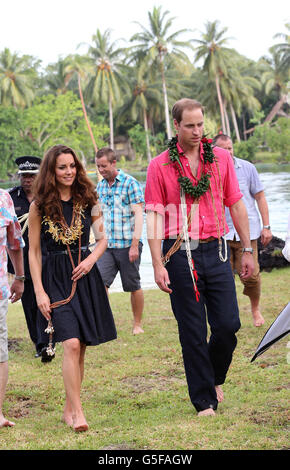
<point>186,190</point>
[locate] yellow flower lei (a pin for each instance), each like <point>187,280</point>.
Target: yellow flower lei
<point>61,232</point>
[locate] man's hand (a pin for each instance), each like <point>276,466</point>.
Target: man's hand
<point>16,290</point>
<point>162,278</point>
<point>266,236</point>
<point>247,265</point>
<point>133,253</point>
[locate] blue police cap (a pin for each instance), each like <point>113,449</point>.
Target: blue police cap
<point>28,164</point>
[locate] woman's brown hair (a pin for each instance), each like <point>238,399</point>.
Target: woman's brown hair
<point>46,194</point>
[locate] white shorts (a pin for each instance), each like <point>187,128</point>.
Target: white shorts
<point>3,331</point>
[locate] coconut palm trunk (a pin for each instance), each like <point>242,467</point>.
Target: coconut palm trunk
<point>147,135</point>
<point>236,127</point>
<point>166,107</point>
<point>111,122</point>
<point>220,100</point>
<point>227,121</point>
<point>276,108</point>
<point>99,177</point>
<point>85,114</point>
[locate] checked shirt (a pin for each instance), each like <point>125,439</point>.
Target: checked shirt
<point>116,203</point>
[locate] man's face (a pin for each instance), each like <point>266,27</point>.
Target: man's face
<point>106,169</point>
<point>227,145</point>
<point>190,128</point>
<point>26,181</point>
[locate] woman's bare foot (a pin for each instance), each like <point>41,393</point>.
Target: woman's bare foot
<point>207,412</point>
<point>137,330</point>
<point>66,418</point>
<point>79,423</point>
<point>219,393</point>
<point>258,319</point>
<point>67,414</point>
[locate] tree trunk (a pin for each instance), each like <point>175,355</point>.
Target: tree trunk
<point>147,135</point>
<point>99,177</point>
<point>111,123</point>
<point>244,127</point>
<point>217,84</point>
<point>234,118</point>
<point>227,120</point>
<point>85,114</point>
<point>166,108</point>
<point>276,108</point>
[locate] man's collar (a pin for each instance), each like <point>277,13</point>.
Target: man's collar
<point>237,163</point>
<point>182,153</point>
<point>119,176</point>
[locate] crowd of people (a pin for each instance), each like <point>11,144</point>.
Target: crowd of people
<point>203,208</point>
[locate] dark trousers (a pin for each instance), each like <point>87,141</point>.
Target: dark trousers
<point>30,311</point>
<point>206,362</point>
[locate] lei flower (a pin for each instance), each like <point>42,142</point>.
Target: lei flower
<point>185,183</point>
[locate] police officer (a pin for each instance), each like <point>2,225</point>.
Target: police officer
<point>28,167</point>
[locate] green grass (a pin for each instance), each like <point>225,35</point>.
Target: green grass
<point>270,158</point>
<point>135,393</point>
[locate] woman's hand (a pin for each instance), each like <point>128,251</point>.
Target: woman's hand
<point>83,268</point>
<point>43,303</point>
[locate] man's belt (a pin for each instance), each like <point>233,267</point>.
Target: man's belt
<point>206,240</point>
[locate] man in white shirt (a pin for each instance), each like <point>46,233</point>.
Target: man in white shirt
<point>253,192</point>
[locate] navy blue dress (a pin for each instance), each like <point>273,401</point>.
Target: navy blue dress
<point>88,315</point>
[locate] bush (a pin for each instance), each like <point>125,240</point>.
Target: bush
<point>246,149</point>
<point>275,136</point>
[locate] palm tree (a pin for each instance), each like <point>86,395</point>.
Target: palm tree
<point>79,67</point>
<point>16,79</point>
<point>238,90</point>
<point>159,45</point>
<point>143,96</point>
<point>275,78</point>
<point>211,49</point>
<point>105,82</point>
<point>57,78</point>
<point>283,49</point>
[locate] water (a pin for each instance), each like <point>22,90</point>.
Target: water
<point>277,191</point>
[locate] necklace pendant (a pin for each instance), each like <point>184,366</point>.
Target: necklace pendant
<point>68,232</point>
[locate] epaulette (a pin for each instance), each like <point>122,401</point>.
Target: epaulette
<point>14,189</point>
<point>11,190</point>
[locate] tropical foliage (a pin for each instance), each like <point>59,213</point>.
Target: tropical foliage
<point>128,89</point>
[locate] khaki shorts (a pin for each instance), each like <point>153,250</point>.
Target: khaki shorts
<point>252,286</point>
<point>3,331</point>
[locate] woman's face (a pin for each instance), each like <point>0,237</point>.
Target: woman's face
<point>65,170</point>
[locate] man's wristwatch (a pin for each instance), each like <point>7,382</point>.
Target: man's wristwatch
<point>248,250</point>
<point>20,278</point>
<point>268,227</point>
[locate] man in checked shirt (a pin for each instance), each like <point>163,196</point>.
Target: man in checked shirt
<point>122,201</point>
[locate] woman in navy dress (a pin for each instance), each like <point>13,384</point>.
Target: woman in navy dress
<point>69,290</point>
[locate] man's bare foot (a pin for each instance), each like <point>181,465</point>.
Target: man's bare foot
<point>137,330</point>
<point>219,393</point>
<point>258,319</point>
<point>207,412</point>
<point>5,423</point>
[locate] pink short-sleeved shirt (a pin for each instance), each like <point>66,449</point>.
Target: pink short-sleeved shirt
<point>10,236</point>
<point>162,194</point>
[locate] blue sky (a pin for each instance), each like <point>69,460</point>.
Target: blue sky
<point>49,30</point>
